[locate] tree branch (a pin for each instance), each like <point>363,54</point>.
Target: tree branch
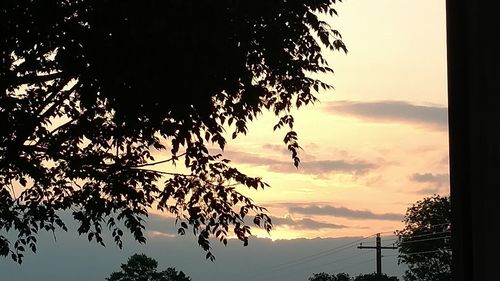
<point>32,79</point>
<point>163,173</point>
<point>159,162</point>
<point>56,103</point>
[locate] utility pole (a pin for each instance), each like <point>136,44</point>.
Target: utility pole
<point>378,249</point>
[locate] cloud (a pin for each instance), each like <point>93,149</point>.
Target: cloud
<point>156,234</point>
<point>304,224</point>
<point>434,117</point>
<point>429,190</point>
<point>438,179</point>
<point>328,166</point>
<point>435,183</point>
<point>314,167</point>
<point>276,148</point>
<point>343,212</point>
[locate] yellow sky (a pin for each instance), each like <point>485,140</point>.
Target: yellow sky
<point>371,147</point>
<point>375,144</point>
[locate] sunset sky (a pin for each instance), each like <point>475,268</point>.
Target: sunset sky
<point>373,146</point>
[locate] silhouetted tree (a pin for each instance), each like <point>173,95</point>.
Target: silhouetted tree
<point>425,242</point>
<point>345,277</point>
<point>322,276</point>
<point>91,91</point>
<point>140,267</point>
<point>170,274</point>
<point>375,277</point>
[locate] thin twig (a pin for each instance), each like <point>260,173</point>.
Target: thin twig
<point>32,79</point>
<point>162,172</point>
<point>160,162</point>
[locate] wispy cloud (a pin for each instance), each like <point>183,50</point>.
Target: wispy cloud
<point>276,148</point>
<point>314,167</point>
<point>434,117</point>
<point>438,179</point>
<point>344,212</point>
<point>328,166</point>
<point>304,224</point>
<point>434,183</point>
<point>157,234</point>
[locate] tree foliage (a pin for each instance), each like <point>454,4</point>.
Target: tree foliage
<point>92,91</point>
<point>345,277</point>
<point>170,274</point>
<point>425,242</point>
<point>322,276</point>
<point>375,277</point>
<point>140,267</point>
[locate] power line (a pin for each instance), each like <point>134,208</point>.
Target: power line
<point>385,232</point>
<point>441,224</point>
<point>378,252</point>
<point>343,259</point>
<point>427,252</point>
<point>427,234</point>
<point>427,226</point>
<point>325,253</point>
<point>422,240</point>
<point>309,258</point>
<point>353,264</point>
<point>316,256</point>
<point>414,236</point>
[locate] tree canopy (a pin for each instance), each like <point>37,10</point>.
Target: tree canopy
<point>374,277</point>
<point>322,276</point>
<point>425,241</point>
<point>140,267</point>
<point>92,91</point>
<point>345,277</point>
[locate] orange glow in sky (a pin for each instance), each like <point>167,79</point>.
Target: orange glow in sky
<point>374,145</point>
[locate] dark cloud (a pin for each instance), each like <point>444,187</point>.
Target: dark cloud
<point>314,167</point>
<point>434,183</point>
<point>343,212</point>
<point>304,224</point>
<point>394,111</point>
<point>438,179</point>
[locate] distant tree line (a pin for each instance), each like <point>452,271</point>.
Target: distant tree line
<point>423,244</point>
<point>345,277</point>
<point>140,267</point>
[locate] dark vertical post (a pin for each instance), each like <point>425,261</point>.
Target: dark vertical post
<point>473,36</point>
<point>379,255</point>
<point>378,247</point>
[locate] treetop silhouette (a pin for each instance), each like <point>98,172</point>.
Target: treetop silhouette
<point>140,267</point>
<point>90,90</point>
<point>425,241</point>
